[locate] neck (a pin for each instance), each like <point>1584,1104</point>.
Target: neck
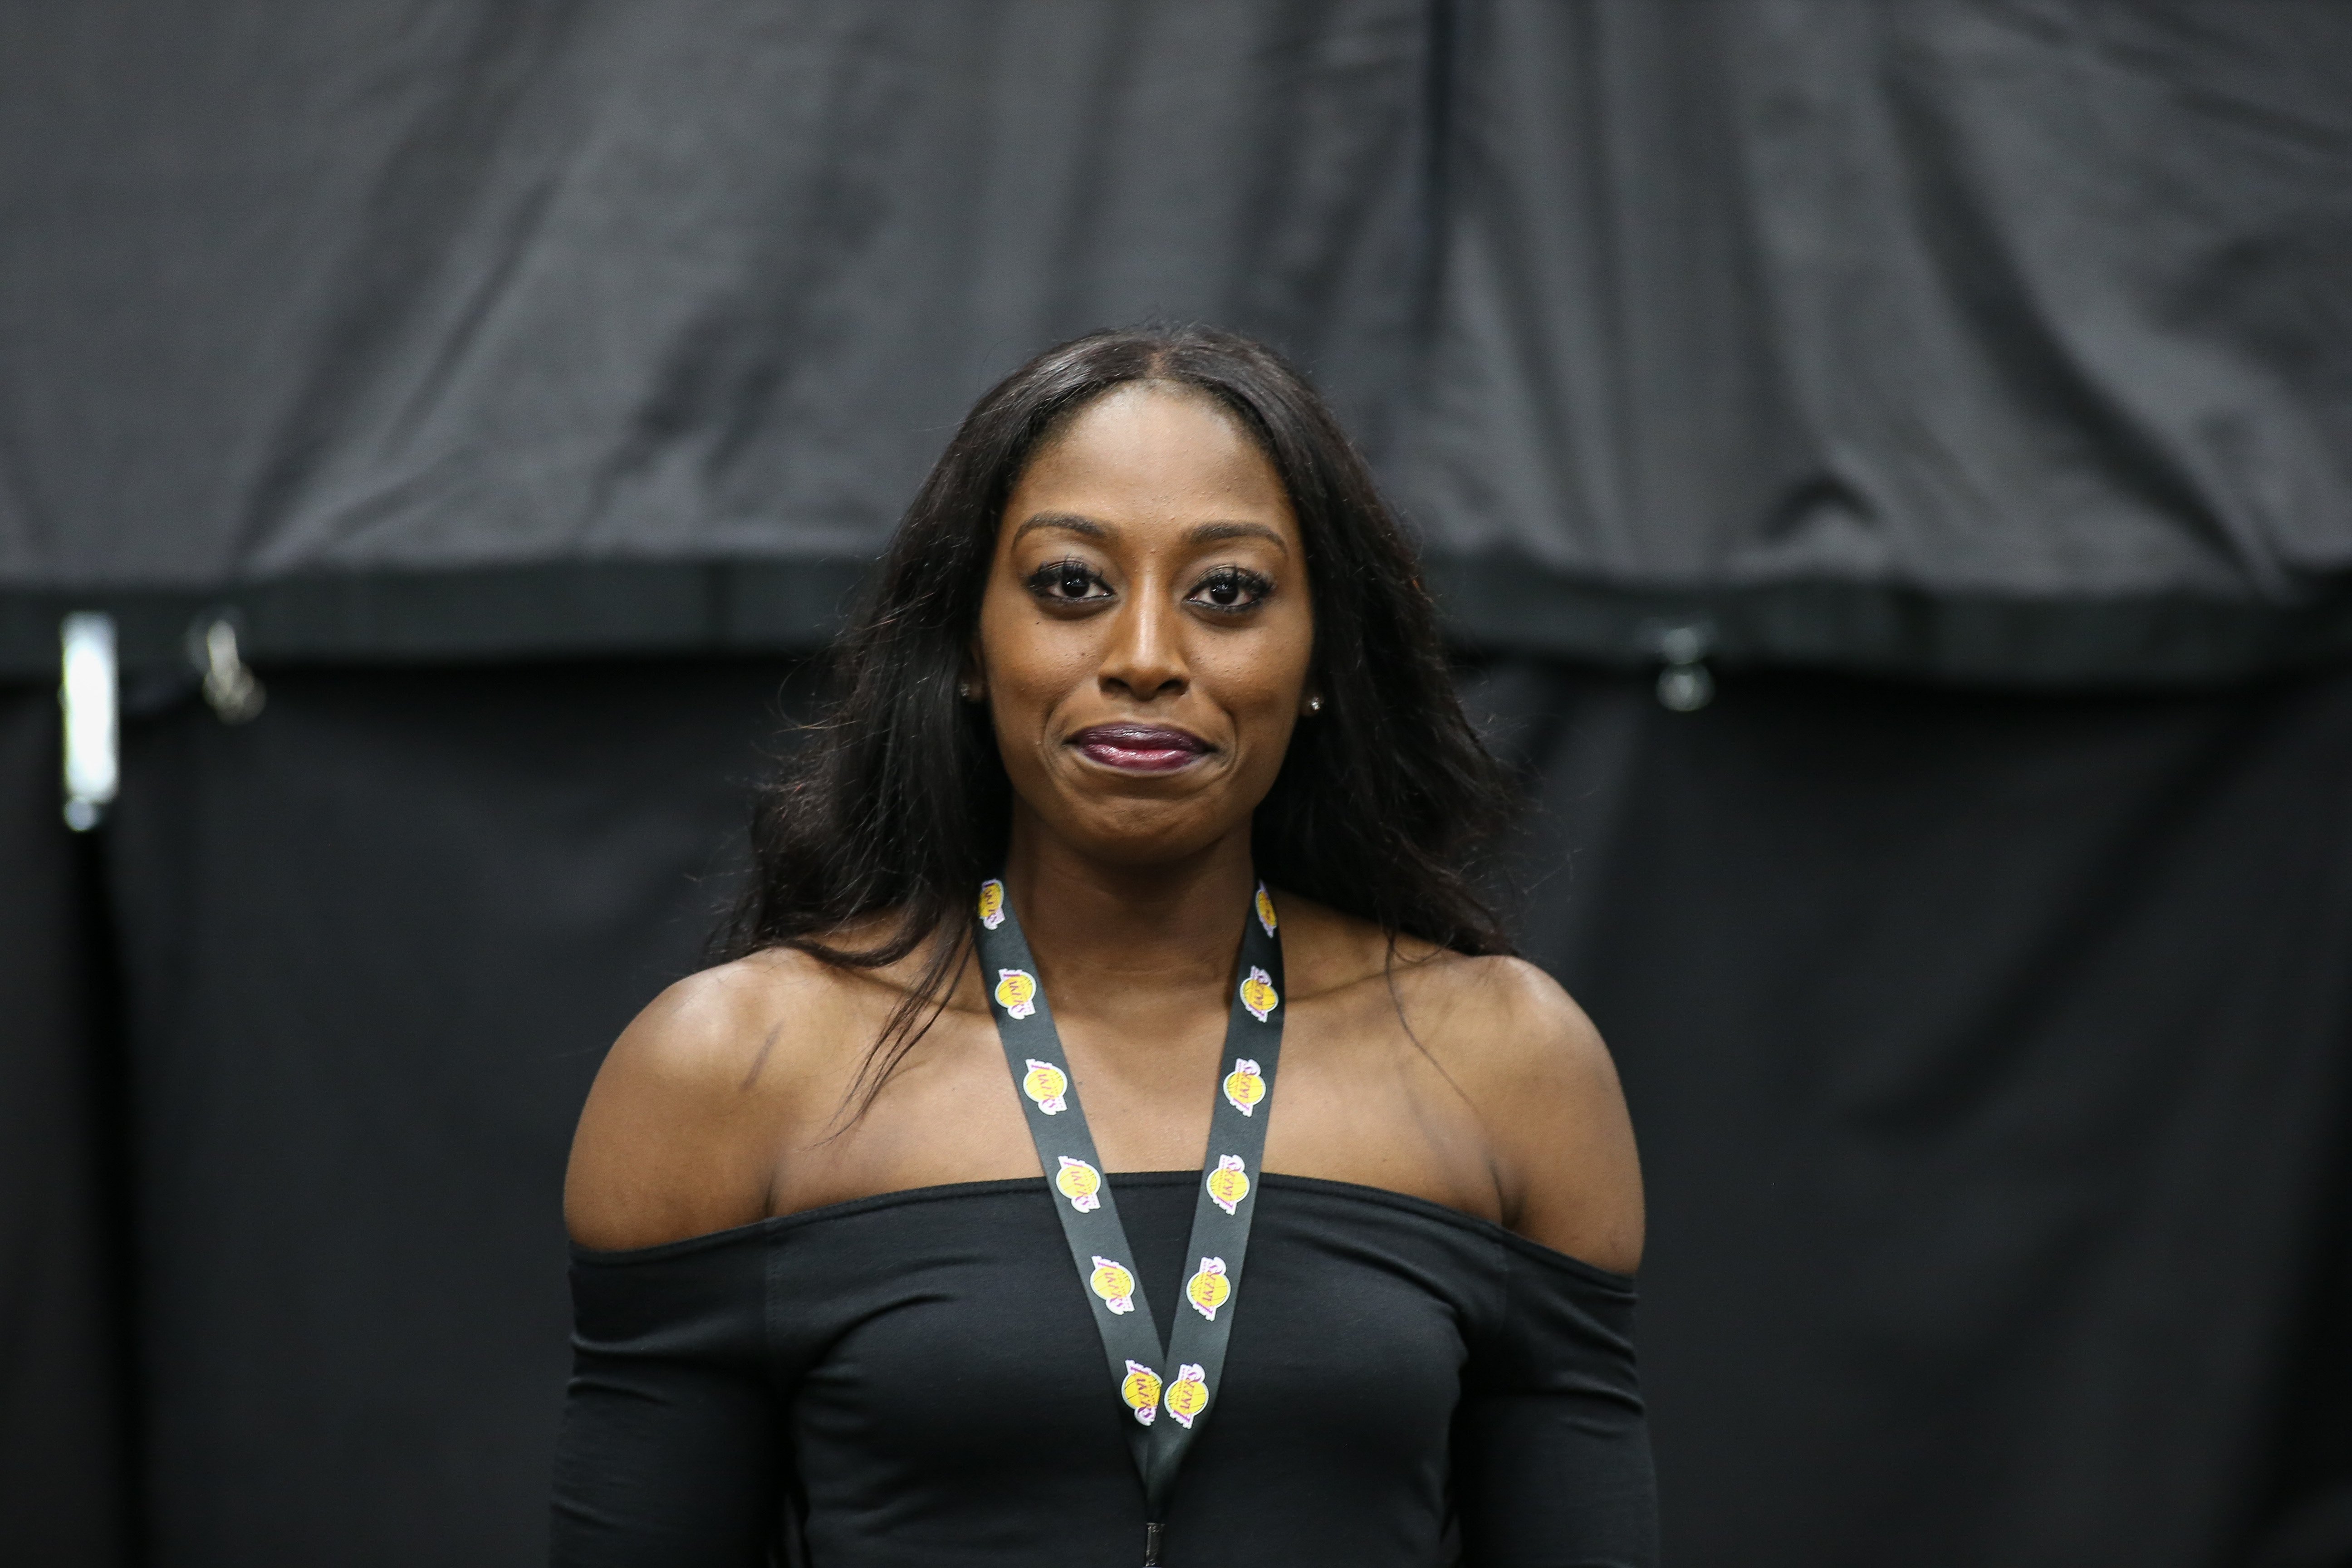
<point>1113,937</point>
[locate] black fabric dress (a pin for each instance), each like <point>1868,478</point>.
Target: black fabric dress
<point>913,1380</point>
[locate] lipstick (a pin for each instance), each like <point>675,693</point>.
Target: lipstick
<point>1141,748</point>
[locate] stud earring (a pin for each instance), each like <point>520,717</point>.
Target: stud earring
<point>968,689</point>
<point>1314,705</point>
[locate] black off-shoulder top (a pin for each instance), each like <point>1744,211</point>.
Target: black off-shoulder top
<point>914,1380</point>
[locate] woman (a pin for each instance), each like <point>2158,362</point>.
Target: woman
<point>1137,832</point>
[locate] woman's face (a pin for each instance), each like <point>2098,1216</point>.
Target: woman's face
<point>1145,635</point>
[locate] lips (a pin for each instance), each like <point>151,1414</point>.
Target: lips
<point>1141,748</point>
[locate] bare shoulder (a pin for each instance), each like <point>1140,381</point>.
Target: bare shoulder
<point>680,1132</point>
<point>1525,1061</point>
<point>1548,1097</point>
<point>1546,1089</point>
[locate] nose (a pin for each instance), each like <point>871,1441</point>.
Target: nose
<point>1145,655</point>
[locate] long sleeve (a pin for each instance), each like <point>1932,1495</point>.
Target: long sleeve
<point>672,1450</point>
<point>1551,1449</point>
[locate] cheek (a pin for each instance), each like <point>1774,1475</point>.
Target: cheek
<point>1032,661</point>
<point>1037,672</point>
<point>1255,689</point>
<point>1258,685</point>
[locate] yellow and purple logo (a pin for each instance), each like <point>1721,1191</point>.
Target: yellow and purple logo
<point>1257,994</point>
<point>1114,1284</point>
<point>1081,1183</point>
<point>1265,908</point>
<point>1244,1086</point>
<point>1188,1395</point>
<point>1016,992</point>
<point>991,904</point>
<point>1044,1083</point>
<point>1140,1389</point>
<point>1229,1184</point>
<point>1209,1289</point>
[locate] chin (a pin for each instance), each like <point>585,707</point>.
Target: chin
<point>1091,790</point>
<point>1141,838</point>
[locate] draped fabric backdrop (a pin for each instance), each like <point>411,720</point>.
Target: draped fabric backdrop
<point>1967,382</point>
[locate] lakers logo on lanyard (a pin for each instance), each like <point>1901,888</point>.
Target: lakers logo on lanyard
<point>1178,1376</point>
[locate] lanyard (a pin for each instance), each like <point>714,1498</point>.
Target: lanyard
<point>1140,1362</point>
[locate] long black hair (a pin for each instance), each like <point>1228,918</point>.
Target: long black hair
<point>897,804</point>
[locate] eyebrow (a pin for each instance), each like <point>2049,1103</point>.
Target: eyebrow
<point>1204,533</point>
<point>1065,522</point>
<point>1210,532</point>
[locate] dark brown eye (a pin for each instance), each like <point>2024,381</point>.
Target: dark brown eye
<point>1232,589</point>
<point>1067,581</point>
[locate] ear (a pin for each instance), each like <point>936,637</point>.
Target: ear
<point>971,685</point>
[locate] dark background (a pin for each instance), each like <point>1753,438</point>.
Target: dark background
<point>1972,378</point>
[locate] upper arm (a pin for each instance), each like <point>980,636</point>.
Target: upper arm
<point>1559,1137</point>
<point>681,1133</point>
<point>672,1451</point>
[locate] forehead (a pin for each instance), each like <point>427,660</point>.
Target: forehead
<point>1150,453</point>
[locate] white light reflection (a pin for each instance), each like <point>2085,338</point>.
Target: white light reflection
<point>86,690</point>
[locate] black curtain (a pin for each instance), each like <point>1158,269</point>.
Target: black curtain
<point>483,327</point>
<point>1991,1060</point>
<point>1989,1048</point>
<point>65,1401</point>
<point>1988,1055</point>
<point>1995,337</point>
<point>374,944</point>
